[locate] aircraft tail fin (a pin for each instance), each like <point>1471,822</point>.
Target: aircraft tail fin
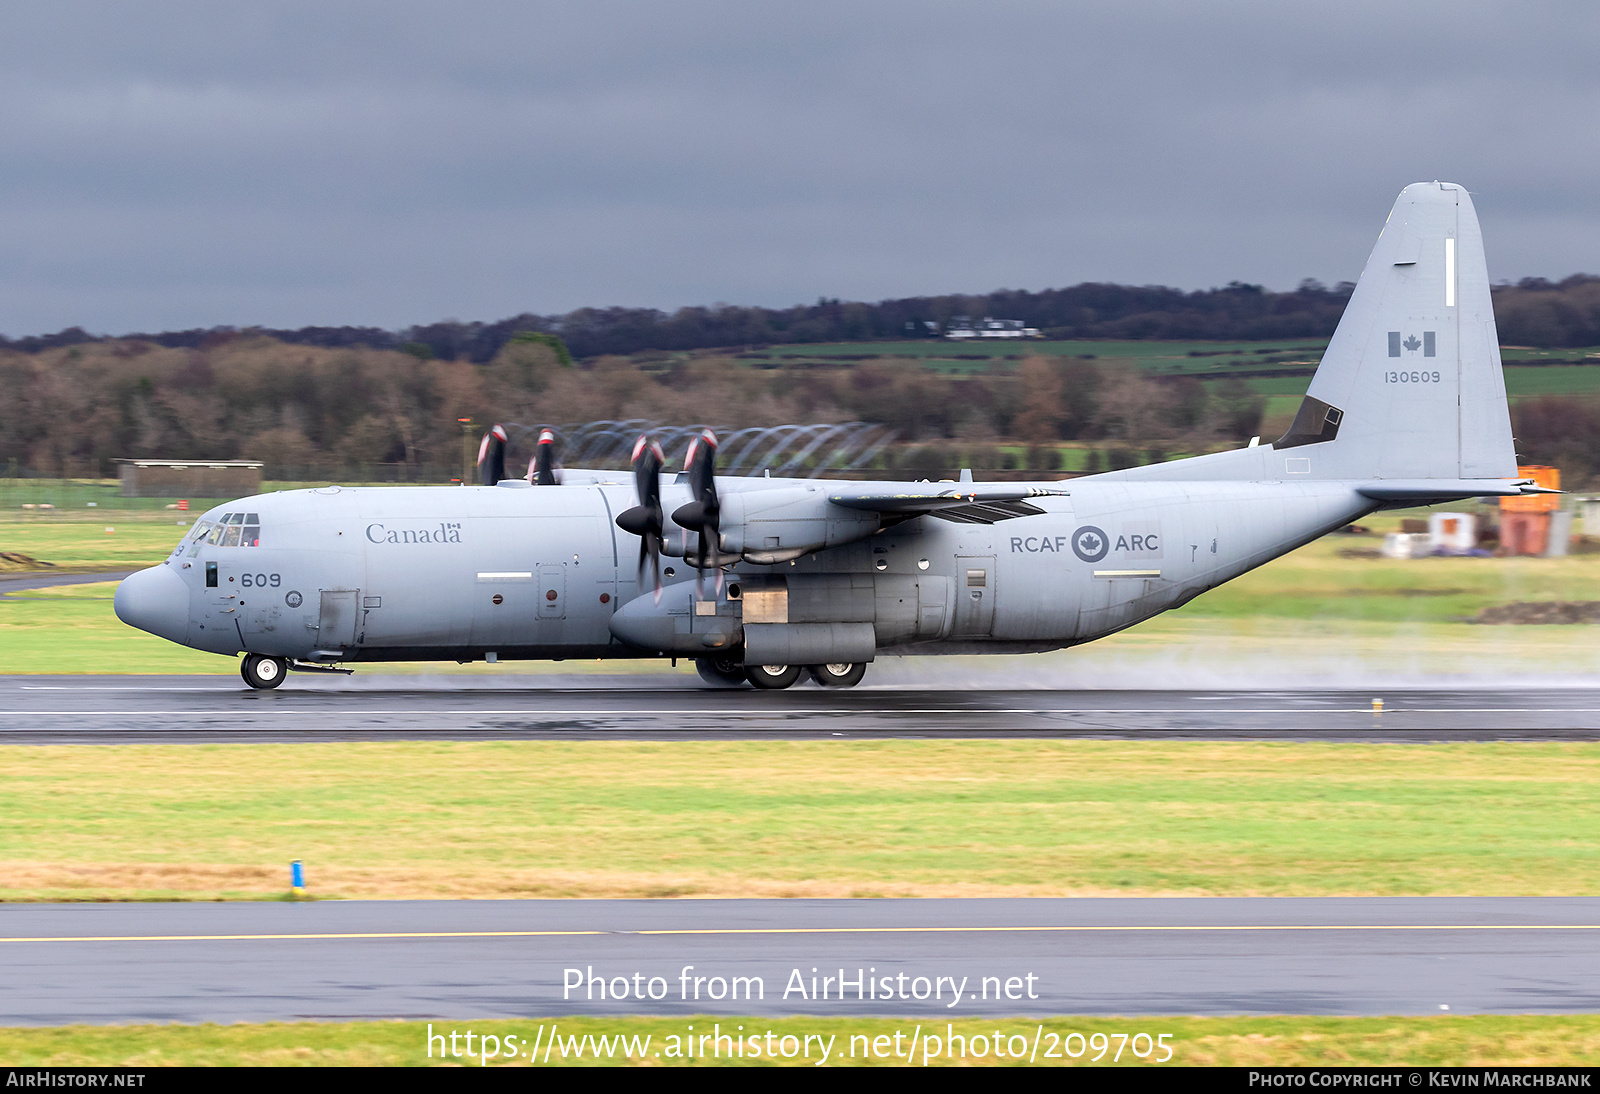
<point>1411,384</point>
<point>1410,387</point>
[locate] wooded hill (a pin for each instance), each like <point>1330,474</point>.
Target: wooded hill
<point>1534,312</point>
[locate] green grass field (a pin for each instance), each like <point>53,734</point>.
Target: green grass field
<point>1529,372</point>
<point>832,818</point>
<point>1444,1041</point>
<point>1172,354</point>
<point>86,546</point>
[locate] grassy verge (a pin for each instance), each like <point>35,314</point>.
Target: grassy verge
<point>79,546</point>
<point>895,818</point>
<point>1465,1041</point>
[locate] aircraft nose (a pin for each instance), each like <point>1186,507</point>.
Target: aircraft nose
<point>155,600</point>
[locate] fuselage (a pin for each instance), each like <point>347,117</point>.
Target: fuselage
<point>517,572</point>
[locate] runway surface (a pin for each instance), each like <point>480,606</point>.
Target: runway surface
<point>479,959</point>
<point>145,709</point>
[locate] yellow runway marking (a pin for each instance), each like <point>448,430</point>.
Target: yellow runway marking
<point>354,935</point>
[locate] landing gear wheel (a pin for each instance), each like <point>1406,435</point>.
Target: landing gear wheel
<point>263,672</point>
<point>720,672</point>
<point>772,677</point>
<point>838,676</point>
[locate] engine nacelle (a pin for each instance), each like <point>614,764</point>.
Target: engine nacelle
<point>770,526</point>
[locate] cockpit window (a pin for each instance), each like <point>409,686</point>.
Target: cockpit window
<point>196,537</point>
<point>230,530</point>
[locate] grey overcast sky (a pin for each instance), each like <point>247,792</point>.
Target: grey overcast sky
<point>173,164</point>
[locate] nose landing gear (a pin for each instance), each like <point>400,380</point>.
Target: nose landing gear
<point>263,672</point>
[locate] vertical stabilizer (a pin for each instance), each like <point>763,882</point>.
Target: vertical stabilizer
<point>1411,387</point>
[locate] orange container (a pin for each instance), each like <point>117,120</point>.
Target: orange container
<point>1535,503</point>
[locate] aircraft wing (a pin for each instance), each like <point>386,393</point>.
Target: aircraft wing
<point>964,503</point>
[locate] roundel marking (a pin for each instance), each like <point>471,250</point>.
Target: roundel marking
<point>293,599</point>
<point>1090,543</point>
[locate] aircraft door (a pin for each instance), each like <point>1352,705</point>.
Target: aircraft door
<point>336,626</point>
<point>553,592</point>
<point>974,607</point>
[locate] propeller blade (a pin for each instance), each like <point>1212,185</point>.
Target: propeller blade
<point>704,511</point>
<point>646,520</point>
<point>542,468</point>
<point>492,456</point>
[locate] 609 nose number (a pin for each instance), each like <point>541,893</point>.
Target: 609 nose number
<point>266,581</point>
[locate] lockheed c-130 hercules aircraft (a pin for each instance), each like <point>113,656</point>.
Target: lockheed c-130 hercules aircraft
<point>1407,407</point>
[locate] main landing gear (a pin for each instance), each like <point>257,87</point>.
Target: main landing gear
<point>772,677</point>
<point>838,676</point>
<point>730,673</point>
<point>263,672</point>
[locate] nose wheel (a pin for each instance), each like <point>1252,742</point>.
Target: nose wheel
<point>720,672</point>
<point>263,672</point>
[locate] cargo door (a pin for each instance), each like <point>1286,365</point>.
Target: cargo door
<point>974,607</point>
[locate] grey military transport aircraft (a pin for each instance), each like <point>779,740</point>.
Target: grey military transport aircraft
<point>784,576</point>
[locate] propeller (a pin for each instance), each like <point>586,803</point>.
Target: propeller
<point>646,520</point>
<point>492,456</point>
<point>542,468</point>
<point>704,511</point>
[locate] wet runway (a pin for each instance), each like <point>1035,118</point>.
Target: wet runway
<point>127,709</point>
<point>918,959</point>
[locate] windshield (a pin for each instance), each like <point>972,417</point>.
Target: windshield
<point>229,530</point>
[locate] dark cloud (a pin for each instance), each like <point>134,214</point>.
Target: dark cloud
<point>173,165</point>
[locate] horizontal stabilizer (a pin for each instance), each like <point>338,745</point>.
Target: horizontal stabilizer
<point>1418,490</point>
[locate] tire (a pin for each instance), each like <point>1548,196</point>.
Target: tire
<point>720,672</point>
<point>263,672</point>
<point>772,677</point>
<point>838,676</point>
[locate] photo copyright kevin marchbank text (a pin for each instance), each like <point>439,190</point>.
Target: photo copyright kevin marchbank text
<point>818,986</point>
